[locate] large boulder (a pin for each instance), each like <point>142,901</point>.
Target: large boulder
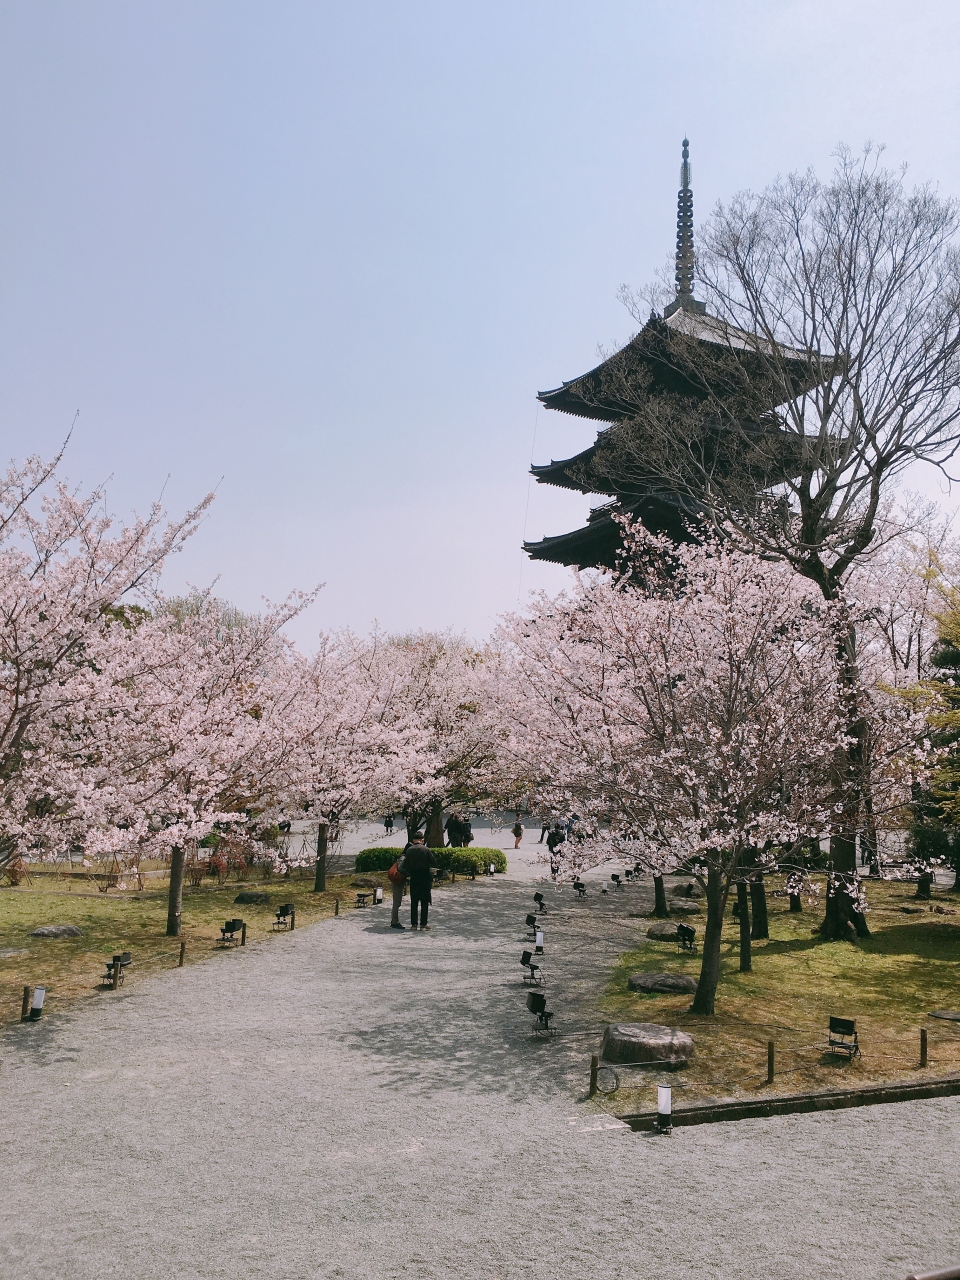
<point>57,931</point>
<point>667,983</point>
<point>252,898</point>
<point>685,907</point>
<point>663,931</point>
<point>646,1042</point>
<point>364,882</point>
<point>689,889</point>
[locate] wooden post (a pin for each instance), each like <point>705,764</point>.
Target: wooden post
<point>923,1046</point>
<point>293,918</point>
<point>183,952</point>
<point>770,1061</point>
<point>243,934</point>
<point>25,1010</point>
<point>594,1068</point>
<point>336,906</point>
<point>116,972</point>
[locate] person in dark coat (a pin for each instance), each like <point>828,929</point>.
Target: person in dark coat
<point>418,863</point>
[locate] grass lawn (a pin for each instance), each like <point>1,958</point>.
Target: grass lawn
<point>71,968</point>
<point>889,983</point>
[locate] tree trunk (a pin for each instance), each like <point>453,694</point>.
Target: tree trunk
<point>841,921</point>
<point>175,896</point>
<point>435,826</point>
<point>743,916</point>
<point>320,874</point>
<point>796,903</point>
<point>660,908</point>
<point>758,905</point>
<point>924,881</point>
<point>704,1001</point>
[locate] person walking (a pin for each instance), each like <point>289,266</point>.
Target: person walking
<point>517,832</point>
<point>419,864</point>
<point>554,840</point>
<point>543,832</point>
<point>397,875</point>
<point>388,825</point>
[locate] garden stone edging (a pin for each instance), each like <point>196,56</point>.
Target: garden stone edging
<point>797,1103</point>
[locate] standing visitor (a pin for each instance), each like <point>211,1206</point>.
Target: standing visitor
<point>418,865</point>
<point>517,830</point>
<point>388,825</point>
<point>454,830</point>
<point>397,875</point>
<point>543,831</point>
<point>554,840</point>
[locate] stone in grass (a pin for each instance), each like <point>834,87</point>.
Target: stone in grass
<point>685,907</point>
<point>668,983</point>
<point>646,1042</point>
<point>253,898</point>
<point>364,882</point>
<point>912,911</point>
<point>8,953</point>
<point>689,889</point>
<point>57,931</point>
<point>663,931</point>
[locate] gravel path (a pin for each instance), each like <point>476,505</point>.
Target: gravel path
<point>352,1101</point>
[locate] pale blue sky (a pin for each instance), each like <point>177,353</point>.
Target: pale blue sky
<point>330,252</point>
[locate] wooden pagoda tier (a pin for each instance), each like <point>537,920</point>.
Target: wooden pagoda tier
<point>664,360</point>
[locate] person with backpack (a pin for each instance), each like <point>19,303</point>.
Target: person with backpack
<point>418,863</point>
<point>397,875</point>
<point>517,832</point>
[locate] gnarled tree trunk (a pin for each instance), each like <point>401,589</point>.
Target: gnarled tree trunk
<point>660,908</point>
<point>175,896</point>
<point>320,873</point>
<point>743,915</point>
<point>705,1000</point>
<point>758,907</point>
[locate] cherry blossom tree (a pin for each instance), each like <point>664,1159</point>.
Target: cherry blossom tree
<point>67,572</point>
<point>690,721</point>
<point>446,689</point>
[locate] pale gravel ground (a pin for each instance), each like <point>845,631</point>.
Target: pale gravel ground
<point>350,1101</point>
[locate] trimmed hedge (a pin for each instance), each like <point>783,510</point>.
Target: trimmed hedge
<point>462,862</point>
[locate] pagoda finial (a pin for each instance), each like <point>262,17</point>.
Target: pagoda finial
<point>685,301</point>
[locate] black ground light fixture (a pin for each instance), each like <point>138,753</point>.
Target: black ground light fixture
<point>616,880</point>
<point>580,887</point>
<point>537,1004</point>
<point>532,924</point>
<point>664,1110</point>
<point>538,941</point>
<point>535,973</point>
<point>538,899</point>
<point>36,1004</point>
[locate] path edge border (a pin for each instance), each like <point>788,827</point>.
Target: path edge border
<point>798,1103</point>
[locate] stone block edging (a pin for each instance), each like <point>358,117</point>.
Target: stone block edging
<point>796,1103</point>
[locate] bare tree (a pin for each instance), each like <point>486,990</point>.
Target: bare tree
<point>826,363</point>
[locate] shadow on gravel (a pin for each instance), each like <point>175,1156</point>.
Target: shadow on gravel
<point>453,1010</point>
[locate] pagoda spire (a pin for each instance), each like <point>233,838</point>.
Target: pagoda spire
<point>685,300</point>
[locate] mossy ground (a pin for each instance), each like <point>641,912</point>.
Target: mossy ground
<point>889,983</point>
<point>117,921</point>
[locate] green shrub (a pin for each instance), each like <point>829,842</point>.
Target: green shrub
<point>462,862</point>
